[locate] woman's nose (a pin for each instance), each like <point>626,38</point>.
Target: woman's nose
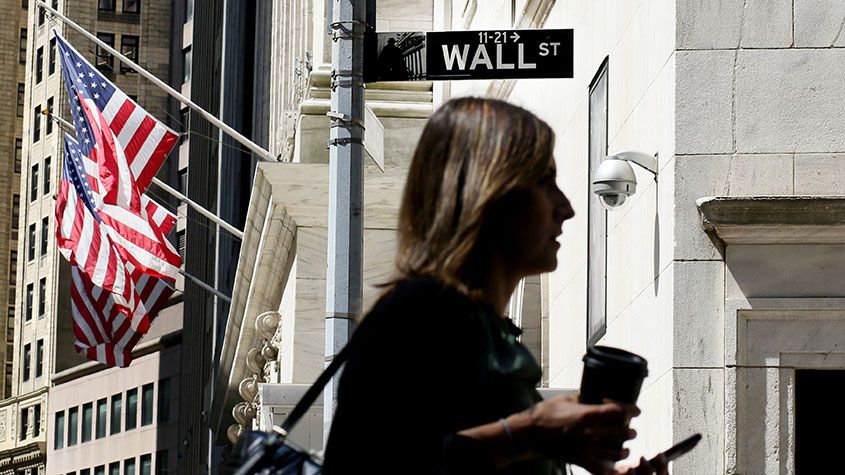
<point>564,208</point>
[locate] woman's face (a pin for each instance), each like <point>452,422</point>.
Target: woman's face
<point>530,222</point>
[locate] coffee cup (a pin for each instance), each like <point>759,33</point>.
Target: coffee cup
<point>612,374</point>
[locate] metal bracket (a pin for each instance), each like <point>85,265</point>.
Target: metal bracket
<point>337,117</point>
<point>346,78</point>
<point>344,141</point>
<point>340,30</point>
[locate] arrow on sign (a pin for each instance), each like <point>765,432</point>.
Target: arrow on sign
<point>515,37</point>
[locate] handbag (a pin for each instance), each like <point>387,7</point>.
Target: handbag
<point>270,453</point>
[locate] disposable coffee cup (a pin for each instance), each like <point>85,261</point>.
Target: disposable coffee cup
<point>612,374</point>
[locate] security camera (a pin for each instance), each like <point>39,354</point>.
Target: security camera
<point>615,179</point>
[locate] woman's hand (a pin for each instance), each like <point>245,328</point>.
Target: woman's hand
<point>588,435</point>
<point>658,466</point>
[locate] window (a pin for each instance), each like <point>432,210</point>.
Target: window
<point>36,420</point>
<point>131,6</point>
<point>18,155</point>
<point>16,212</point>
<point>131,408</point>
<point>22,47</point>
<point>41,15</point>
<point>33,183</point>
<point>114,468</point>
<point>39,358</point>
<point>24,4</point>
<point>87,419</point>
<point>102,413</point>
<point>21,98</point>
<point>27,352</point>
<point>59,430</point>
<point>49,119</point>
<point>129,48</point>
<point>181,243</point>
<point>100,470</point>
<point>51,66</point>
<point>36,124</point>
<point>812,441</point>
<point>72,425</point>
<point>47,167</point>
<point>42,297</point>
<point>28,315</point>
<point>39,62</point>
<point>105,61</point>
<point>13,268</point>
<point>116,403</point>
<point>596,214</point>
<point>186,64</point>
<point>183,181</point>
<point>45,233</point>
<point>162,462</point>
<point>31,249</point>
<point>129,467</point>
<point>189,10</point>
<point>147,404</point>
<point>85,471</point>
<point>146,464</point>
<point>164,400</point>
<point>106,5</point>
<point>24,422</point>
<point>186,128</point>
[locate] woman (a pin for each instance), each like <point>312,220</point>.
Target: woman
<point>438,382</point>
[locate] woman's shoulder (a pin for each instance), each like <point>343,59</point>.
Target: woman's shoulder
<point>419,294</point>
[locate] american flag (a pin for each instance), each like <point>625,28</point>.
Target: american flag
<point>123,266</point>
<point>113,303</point>
<point>122,147</point>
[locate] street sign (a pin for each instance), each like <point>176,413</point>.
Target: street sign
<point>374,137</point>
<point>485,54</point>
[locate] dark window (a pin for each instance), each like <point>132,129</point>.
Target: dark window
<point>47,171</point>
<point>87,419</point>
<point>102,413</point>
<point>51,65</point>
<point>85,471</point>
<point>114,468</point>
<point>107,5</point>
<point>183,181</point>
<point>36,124</point>
<point>41,15</point>
<point>39,63</point>
<point>186,64</point>
<point>147,464</point>
<point>59,430</point>
<point>100,470</point>
<point>597,215</point>
<point>39,358</point>
<point>22,47</point>
<point>164,400</point>
<point>105,61</point>
<point>814,442</point>
<point>131,408</point>
<point>72,426</point>
<point>147,404</point>
<point>45,233</point>
<point>33,183</point>
<point>129,48</point>
<point>24,422</point>
<point>31,243</point>
<point>116,406</point>
<point>24,4</point>
<point>189,10</point>
<point>21,98</point>
<point>131,6</point>
<point>186,126</point>
<point>16,211</point>
<point>27,354</point>
<point>42,297</point>
<point>18,155</point>
<point>162,462</point>
<point>28,315</point>
<point>129,467</point>
<point>36,420</point>
<point>49,119</point>
<point>13,268</point>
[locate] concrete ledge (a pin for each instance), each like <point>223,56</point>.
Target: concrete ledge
<point>775,219</point>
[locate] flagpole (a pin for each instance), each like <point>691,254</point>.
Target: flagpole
<point>164,186</point>
<point>257,149</point>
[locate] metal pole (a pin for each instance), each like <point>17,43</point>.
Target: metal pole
<point>68,127</point>
<point>344,276</point>
<point>257,149</point>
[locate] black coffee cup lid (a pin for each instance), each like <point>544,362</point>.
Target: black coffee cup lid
<point>615,358</point>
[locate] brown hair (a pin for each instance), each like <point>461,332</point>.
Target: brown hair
<point>472,152</point>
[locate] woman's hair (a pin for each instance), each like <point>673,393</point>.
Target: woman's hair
<point>472,152</point>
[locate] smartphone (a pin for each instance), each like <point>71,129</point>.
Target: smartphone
<point>680,448</point>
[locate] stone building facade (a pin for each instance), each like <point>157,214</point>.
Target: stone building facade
<point>43,338</point>
<point>723,270</point>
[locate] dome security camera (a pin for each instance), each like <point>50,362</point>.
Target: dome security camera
<point>615,180</point>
